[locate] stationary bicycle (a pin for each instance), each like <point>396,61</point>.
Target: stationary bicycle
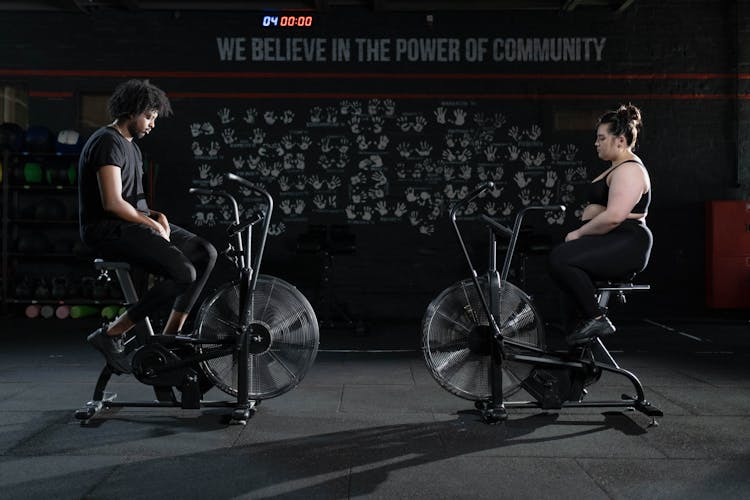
<point>254,338</point>
<point>483,339</point>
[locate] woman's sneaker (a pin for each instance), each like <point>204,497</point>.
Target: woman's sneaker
<point>597,327</point>
<point>112,349</point>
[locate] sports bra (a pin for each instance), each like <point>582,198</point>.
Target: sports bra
<point>599,192</point>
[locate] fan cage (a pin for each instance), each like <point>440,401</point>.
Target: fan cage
<point>455,315</point>
<point>281,310</point>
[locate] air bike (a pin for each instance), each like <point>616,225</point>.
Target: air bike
<point>483,339</point>
<point>255,338</point>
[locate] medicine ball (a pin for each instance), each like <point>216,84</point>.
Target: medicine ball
<point>68,142</point>
<point>12,137</point>
<point>39,139</point>
<point>32,172</point>
<point>72,173</point>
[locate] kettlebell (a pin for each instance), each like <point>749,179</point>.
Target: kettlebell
<point>24,288</point>
<point>59,287</point>
<point>42,292</point>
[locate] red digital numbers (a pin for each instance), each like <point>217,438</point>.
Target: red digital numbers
<point>301,21</point>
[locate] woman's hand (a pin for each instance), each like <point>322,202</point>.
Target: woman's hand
<point>573,235</point>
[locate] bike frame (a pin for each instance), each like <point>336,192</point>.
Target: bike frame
<point>494,410</point>
<point>249,271</point>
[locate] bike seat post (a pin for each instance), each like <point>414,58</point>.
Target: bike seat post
<point>492,265</point>
<point>604,291</point>
<point>122,271</point>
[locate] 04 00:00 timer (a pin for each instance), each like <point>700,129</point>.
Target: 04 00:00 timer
<point>303,21</point>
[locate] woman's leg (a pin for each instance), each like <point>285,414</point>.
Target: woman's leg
<point>575,265</point>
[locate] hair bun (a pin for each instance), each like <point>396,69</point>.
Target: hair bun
<point>628,113</point>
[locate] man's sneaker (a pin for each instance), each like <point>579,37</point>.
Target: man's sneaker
<point>597,327</point>
<point>112,349</point>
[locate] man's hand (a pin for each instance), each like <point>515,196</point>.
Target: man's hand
<point>162,223</point>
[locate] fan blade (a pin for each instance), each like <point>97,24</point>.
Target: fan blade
<point>452,362</point>
<point>456,345</point>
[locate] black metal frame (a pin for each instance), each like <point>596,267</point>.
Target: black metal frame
<point>494,409</point>
<point>187,368</point>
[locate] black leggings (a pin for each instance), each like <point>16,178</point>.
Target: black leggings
<point>184,262</point>
<point>619,254</point>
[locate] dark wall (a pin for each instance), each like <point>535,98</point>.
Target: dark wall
<point>384,141</point>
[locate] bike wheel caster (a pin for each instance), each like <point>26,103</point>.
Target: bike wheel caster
<point>241,415</point>
<point>494,415</point>
<point>93,407</point>
<point>85,413</point>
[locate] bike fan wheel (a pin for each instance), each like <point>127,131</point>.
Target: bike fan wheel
<point>287,332</point>
<point>456,338</point>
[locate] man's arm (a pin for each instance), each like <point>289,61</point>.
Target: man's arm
<point>110,190</point>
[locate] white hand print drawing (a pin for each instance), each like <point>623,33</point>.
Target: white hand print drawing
<point>204,170</point>
<point>570,152</point>
<point>440,115</point>
<point>225,116</point>
<point>228,136</point>
<point>521,180</point>
<point>459,117</point>
<point>534,133</point>
<point>250,115</point>
<point>514,133</point>
<point>550,179</point>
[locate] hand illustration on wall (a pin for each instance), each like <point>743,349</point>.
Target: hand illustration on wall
<point>382,161</point>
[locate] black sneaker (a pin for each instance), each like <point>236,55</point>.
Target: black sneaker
<point>112,349</point>
<point>597,327</point>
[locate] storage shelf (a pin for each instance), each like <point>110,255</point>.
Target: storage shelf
<point>69,302</point>
<point>50,255</point>
<point>41,221</point>
<point>41,187</point>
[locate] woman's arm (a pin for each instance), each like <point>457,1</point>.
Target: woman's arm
<point>110,190</point>
<point>626,186</point>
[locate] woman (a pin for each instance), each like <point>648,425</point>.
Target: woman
<point>613,241</point>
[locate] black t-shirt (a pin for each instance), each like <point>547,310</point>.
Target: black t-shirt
<point>107,147</point>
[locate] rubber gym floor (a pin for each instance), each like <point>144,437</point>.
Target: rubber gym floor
<point>368,421</point>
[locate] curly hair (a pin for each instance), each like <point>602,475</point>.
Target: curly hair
<point>134,97</point>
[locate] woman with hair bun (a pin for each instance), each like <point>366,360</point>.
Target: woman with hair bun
<point>613,241</point>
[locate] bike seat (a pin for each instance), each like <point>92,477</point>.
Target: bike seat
<point>604,289</point>
<point>100,264</point>
<point>619,286</point>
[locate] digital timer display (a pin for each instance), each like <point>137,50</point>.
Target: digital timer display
<point>284,21</point>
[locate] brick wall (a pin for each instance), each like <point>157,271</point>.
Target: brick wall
<point>670,57</point>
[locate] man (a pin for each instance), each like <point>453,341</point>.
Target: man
<point>117,223</point>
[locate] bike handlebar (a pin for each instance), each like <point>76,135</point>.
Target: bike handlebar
<point>266,224</point>
<point>479,190</point>
<point>492,222</point>
<point>236,227</point>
